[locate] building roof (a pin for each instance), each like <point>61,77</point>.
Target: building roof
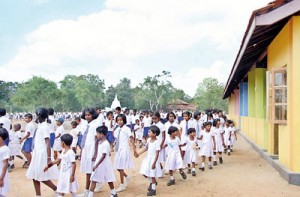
<point>264,25</point>
<point>181,105</point>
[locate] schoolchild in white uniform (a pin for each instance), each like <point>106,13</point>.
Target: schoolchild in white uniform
<point>103,170</point>
<point>161,137</point>
<point>27,146</point>
<point>191,152</point>
<point>233,135</point>
<point>67,182</point>
<point>171,117</point>
<point>14,145</point>
<point>147,123</point>
<point>185,125</point>
<point>52,126</point>
<point>58,133</point>
<point>150,167</point>
<point>208,145</point>
<point>219,137</point>
<point>227,136</point>
<point>137,130</point>
<point>4,157</point>
<point>110,123</point>
<point>74,132</point>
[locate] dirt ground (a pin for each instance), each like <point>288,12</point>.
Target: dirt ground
<point>244,173</point>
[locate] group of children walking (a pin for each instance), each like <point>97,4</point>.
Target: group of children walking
<point>170,145</point>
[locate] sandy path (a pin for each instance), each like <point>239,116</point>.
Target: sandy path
<point>244,173</point>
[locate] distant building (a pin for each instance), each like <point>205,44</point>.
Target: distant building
<point>115,103</point>
<point>263,87</point>
<point>181,105</point>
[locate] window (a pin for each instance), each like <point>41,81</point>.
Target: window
<point>277,96</point>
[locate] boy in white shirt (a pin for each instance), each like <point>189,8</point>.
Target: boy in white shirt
<point>27,147</point>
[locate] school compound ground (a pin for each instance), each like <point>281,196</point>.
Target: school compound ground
<point>244,173</point>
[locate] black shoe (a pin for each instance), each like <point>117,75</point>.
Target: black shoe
<point>215,163</point>
<point>113,195</point>
<point>149,188</point>
<point>228,153</point>
<point>210,167</point>
<point>221,160</point>
<point>171,182</point>
<point>189,171</point>
<point>202,168</point>
<point>12,166</point>
<point>183,175</point>
<point>193,173</point>
<point>151,192</point>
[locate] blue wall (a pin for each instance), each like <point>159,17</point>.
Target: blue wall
<point>244,99</point>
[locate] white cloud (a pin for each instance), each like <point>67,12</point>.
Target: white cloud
<point>128,30</point>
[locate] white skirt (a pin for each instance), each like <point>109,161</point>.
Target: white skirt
<point>206,150</point>
<point>219,146</point>
<point>233,140</point>
<point>174,161</point>
<point>57,145</point>
<point>5,189</point>
<point>15,149</point>
<point>37,165</point>
<point>86,163</point>
<point>104,173</point>
<point>139,136</point>
<point>74,143</point>
<point>227,141</point>
<point>146,168</point>
<point>64,185</point>
<point>123,159</point>
<point>190,156</point>
<point>162,156</point>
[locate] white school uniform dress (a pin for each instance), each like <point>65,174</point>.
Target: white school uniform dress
<point>123,159</point>
<point>74,132</point>
<point>6,122</point>
<point>87,154</point>
<point>233,140</point>
<point>138,132</point>
<point>146,167</point>
<point>4,154</point>
<point>129,120</point>
<point>162,153</point>
<point>167,126</point>
<point>191,155</point>
<point>184,133</point>
<point>104,173</point>
<point>40,158</point>
<point>57,142</point>
<point>14,143</point>
<point>207,144</point>
<point>218,133</point>
<point>227,133</point>
<point>64,185</point>
<point>52,125</point>
<point>174,159</point>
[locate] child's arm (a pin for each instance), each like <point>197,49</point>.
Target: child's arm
<point>72,178</point>
<point>99,162</point>
<point>163,139</point>
<point>25,137</point>
<point>47,141</point>
<point>164,146</point>
<point>235,135</point>
<point>96,149</point>
<point>200,138</point>
<point>52,163</point>
<point>155,160</point>
<point>214,141</point>
<point>223,142</point>
<point>59,134</point>
<point>133,145</point>
<point>141,152</point>
<point>3,173</point>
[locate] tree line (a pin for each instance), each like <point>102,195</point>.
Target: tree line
<point>74,93</point>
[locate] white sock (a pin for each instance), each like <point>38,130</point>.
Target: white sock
<point>193,169</point>
<point>60,195</point>
<point>122,185</point>
<point>209,163</point>
<point>153,186</point>
<point>113,192</point>
<point>203,164</point>
<point>215,158</point>
<point>171,178</point>
<point>91,194</point>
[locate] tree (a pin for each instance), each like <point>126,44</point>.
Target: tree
<point>125,93</point>
<point>37,92</point>
<point>110,95</point>
<point>209,95</point>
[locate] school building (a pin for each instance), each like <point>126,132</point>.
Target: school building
<point>263,87</point>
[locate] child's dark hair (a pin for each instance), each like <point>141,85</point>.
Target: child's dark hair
<point>3,133</point>
<point>196,114</point>
<point>102,129</point>
<point>118,108</point>
<point>171,113</point>
<point>172,129</point>
<point>74,123</point>
<point>187,113</point>
<point>78,118</point>
<point>134,110</point>
<point>109,113</point>
<point>50,111</point>
<point>155,130</point>
<point>28,116</point>
<point>2,111</point>
<point>229,121</point>
<point>215,122</point>
<point>157,114</point>
<point>42,113</point>
<point>207,123</point>
<point>123,118</point>
<point>191,130</point>
<point>67,139</point>
<point>17,126</point>
<point>90,110</point>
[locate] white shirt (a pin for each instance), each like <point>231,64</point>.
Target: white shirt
<point>74,132</point>
<point>152,147</point>
<point>14,137</point>
<point>162,129</point>
<point>134,117</point>
<point>198,124</point>
<point>59,130</point>
<point>42,133</point>
<point>147,121</point>
<point>169,124</point>
<point>52,125</point>
<point>137,128</point>
<point>183,127</point>
<point>123,134</point>
<point>128,119</point>
<point>100,119</point>
<point>6,122</point>
<point>110,124</point>
<point>30,128</point>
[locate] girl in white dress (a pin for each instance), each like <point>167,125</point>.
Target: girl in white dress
<point>233,135</point>
<point>67,182</point>
<point>208,145</point>
<point>161,137</point>
<point>14,145</point>
<point>174,160</point>
<point>74,132</point>
<point>103,171</point>
<point>219,137</point>
<point>171,117</point>
<point>4,156</point>
<point>58,133</point>
<point>123,158</point>
<point>184,127</point>
<point>227,136</point>
<point>191,156</point>
<point>89,144</point>
<point>150,167</point>
<point>41,155</point>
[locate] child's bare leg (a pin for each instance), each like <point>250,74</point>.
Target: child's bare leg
<point>122,174</point>
<point>50,184</point>
<point>112,187</point>
<point>87,181</point>
<point>93,186</point>
<point>37,187</point>
<point>55,155</point>
<point>20,157</point>
<point>202,163</point>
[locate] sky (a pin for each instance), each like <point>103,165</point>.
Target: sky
<point>193,39</point>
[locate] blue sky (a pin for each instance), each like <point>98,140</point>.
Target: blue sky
<point>193,39</point>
